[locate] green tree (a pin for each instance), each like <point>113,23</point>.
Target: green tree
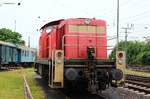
<point>10,36</point>
<point>138,53</point>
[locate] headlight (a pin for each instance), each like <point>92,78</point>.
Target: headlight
<point>120,55</point>
<point>87,21</point>
<point>59,54</point>
<point>49,29</point>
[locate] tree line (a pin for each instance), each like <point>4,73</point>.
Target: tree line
<point>8,35</point>
<point>138,52</point>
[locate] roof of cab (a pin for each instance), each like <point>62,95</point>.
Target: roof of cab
<point>57,22</point>
<point>52,23</point>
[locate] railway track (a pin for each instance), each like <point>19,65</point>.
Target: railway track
<point>27,91</point>
<point>138,83</point>
<point>139,68</point>
<point>10,68</point>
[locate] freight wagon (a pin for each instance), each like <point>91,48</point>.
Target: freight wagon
<point>73,55</point>
<point>15,55</point>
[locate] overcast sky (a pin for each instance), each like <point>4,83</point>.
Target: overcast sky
<point>32,14</point>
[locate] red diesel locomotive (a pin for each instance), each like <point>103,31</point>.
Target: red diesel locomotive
<point>73,55</point>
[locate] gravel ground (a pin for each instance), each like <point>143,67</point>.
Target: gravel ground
<point>50,93</point>
<point>111,93</point>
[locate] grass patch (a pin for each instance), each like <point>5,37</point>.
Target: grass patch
<point>11,85</point>
<point>129,71</point>
<point>36,90</point>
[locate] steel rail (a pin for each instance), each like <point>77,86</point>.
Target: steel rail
<point>27,91</point>
<point>139,83</point>
<point>138,88</point>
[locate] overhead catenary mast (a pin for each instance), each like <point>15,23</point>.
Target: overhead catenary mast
<point>117,23</point>
<point>28,41</point>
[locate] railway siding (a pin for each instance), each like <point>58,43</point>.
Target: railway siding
<point>136,87</point>
<point>140,68</point>
<point>27,91</point>
<point>32,85</point>
<point>138,73</point>
<point>132,94</point>
<point>140,83</point>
